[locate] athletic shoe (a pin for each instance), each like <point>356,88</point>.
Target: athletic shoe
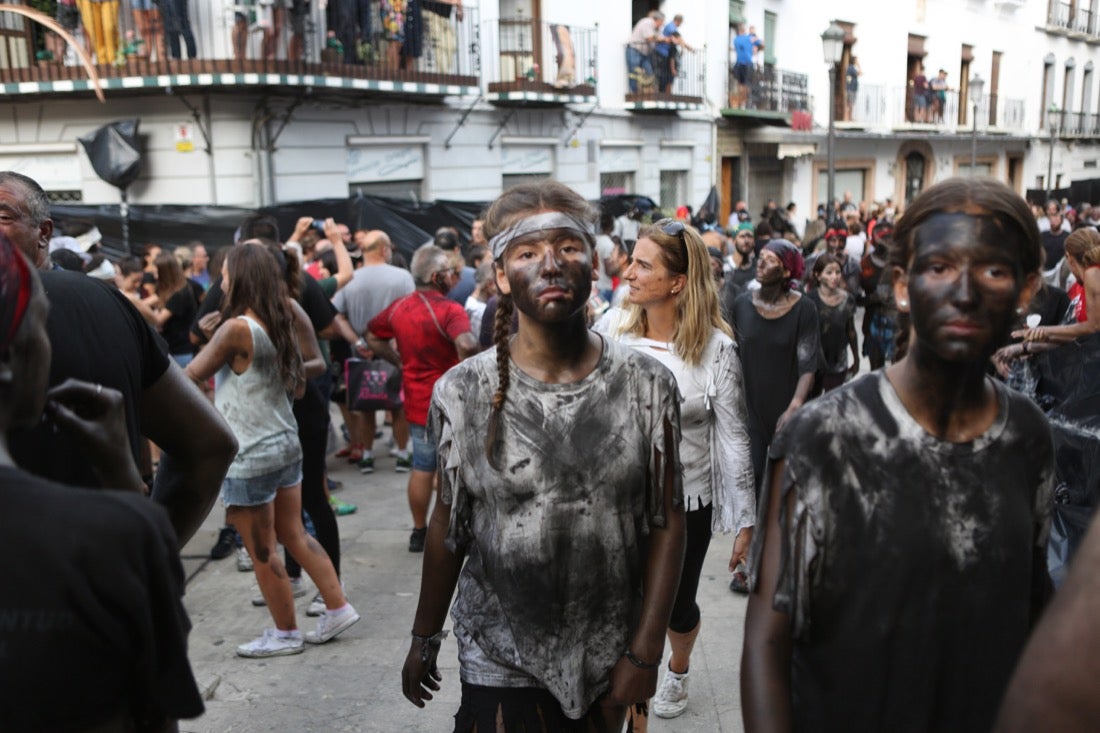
<point>366,464</point>
<point>297,586</point>
<point>316,606</point>
<point>416,539</point>
<point>342,508</point>
<point>355,453</point>
<point>403,464</point>
<point>224,546</point>
<point>334,485</point>
<point>672,696</point>
<point>244,560</point>
<point>343,452</point>
<point>331,624</point>
<point>271,645</point>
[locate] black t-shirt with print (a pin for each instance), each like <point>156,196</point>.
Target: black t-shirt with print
<point>92,625</point>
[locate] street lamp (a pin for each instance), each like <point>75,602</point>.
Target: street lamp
<point>832,42</point>
<point>977,85</point>
<point>1052,113</point>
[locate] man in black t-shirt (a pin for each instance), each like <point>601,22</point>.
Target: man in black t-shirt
<point>98,336</point>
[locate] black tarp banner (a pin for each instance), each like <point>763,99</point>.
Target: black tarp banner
<point>408,224</point>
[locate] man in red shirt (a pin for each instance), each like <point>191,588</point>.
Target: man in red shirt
<point>432,334</point>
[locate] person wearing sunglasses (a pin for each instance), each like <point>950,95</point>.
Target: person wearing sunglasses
<point>672,315</point>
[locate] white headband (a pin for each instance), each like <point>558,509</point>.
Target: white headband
<point>539,223</point>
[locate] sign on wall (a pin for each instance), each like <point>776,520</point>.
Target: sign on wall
<point>372,163</point>
<point>620,159</point>
<point>54,172</point>
<point>521,159</point>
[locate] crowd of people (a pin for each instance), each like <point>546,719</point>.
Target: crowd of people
<point>581,402</point>
<point>397,34</point>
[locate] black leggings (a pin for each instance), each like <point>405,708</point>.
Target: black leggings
<point>685,612</point>
<point>311,412</point>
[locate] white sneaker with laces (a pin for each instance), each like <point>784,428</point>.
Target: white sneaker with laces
<point>244,561</point>
<point>297,586</point>
<point>270,644</point>
<point>331,624</point>
<point>316,606</point>
<point>672,696</point>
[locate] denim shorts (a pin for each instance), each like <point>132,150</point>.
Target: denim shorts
<point>423,455</point>
<point>260,490</point>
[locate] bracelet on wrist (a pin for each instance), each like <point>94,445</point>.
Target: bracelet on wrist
<point>429,645</point>
<point>638,662</point>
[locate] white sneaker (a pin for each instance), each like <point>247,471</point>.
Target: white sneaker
<point>331,624</point>
<point>244,560</point>
<point>672,696</point>
<point>271,645</point>
<point>316,606</point>
<point>297,586</point>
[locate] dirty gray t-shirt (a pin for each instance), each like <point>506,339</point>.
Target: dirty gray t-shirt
<point>551,589</point>
<point>909,563</point>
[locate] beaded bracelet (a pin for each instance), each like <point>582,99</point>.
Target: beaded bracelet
<point>638,662</point>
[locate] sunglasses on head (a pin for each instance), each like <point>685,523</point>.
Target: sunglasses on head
<point>674,228</point>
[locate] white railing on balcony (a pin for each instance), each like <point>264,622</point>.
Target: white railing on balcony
<point>878,106</point>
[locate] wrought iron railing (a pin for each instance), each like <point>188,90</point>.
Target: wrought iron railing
<point>771,89</point>
<point>678,78</point>
<point>520,54</point>
<point>256,37</point>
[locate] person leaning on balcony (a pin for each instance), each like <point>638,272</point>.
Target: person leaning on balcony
<point>639,52</point>
<point>441,32</point>
<point>101,25</point>
<point>668,55</point>
<point>745,44</point>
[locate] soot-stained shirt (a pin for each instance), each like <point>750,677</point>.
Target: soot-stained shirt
<point>92,626</point>
<point>551,589</point>
<point>834,321</point>
<point>907,561</point>
<point>775,352</point>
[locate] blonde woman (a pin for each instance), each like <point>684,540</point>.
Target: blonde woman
<point>672,315</point>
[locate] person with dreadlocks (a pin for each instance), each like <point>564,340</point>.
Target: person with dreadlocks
<point>560,521</point>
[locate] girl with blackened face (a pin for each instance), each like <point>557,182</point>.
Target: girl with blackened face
<point>559,452</point>
<point>902,560</point>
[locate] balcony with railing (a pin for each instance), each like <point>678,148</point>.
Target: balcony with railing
<point>245,43</point>
<point>1068,124</point>
<point>527,61</point>
<point>770,94</point>
<point>1076,19</point>
<point>881,107</point>
<point>677,81</point>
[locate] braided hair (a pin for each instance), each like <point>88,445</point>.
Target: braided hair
<point>513,204</point>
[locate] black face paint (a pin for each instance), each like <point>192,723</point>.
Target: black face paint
<point>551,279</point>
<point>963,287</point>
